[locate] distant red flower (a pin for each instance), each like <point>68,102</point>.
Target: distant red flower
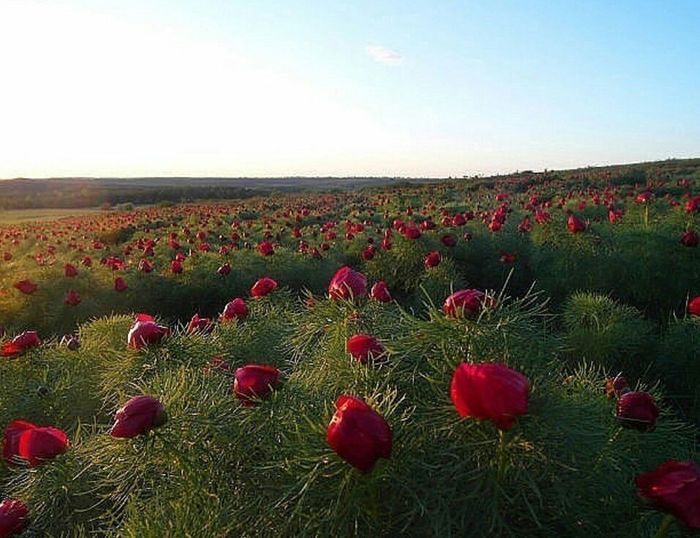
<point>507,258</point>
<point>380,292</point>
<point>120,284</point>
<point>449,240</point>
<point>70,270</point>
<point>224,269</point>
<point>176,267</point>
<point>575,224</point>
<point>674,486</point>
<point>254,381</point>
<point>347,284</point>
<point>145,332</point>
<point>637,410</point>
<point>31,443</point>
<point>199,325</point>
<point>138,416</point>
<point>263,286</point>
<point>358,434</point>
<point>694,306</point>
<point>20,343</point>
<point>13,517</point>
<point>490,391</point>
<point>26,286</point>
<point>265,248</point>
<point>363,347</point>
<point>469,301</point>
<point>72,298</point>
<point>145,266</point>
<point>236,309</point>
<point>690,239</point>
<point>433,259</point>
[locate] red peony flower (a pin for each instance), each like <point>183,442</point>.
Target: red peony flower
<point>380,292</point>
<point>31,443</point>
<point>236,309</point>
<point>433,259</point>
<point>464,302</point>
<point>449,240</point>
<point>347,284</point>
<point>72,298</point>
<point>13,517</point>
<point>145,332</point>
<point>254,381</point>
<point>694,306</point>
<point>70,270</point>
<point>20,343</point>
<point>690,239</point>
<point>145,266</point>
<point>199,325</point>
<point>224,270</point>
<point>490,391</point>
<point>358,434</point>
<point>575,224</point>
<point>637,410</point>
<point>263,286</point>
<point>138,416</point>
<point>26,286</point>
<point>363,347</point>
<point>120,284</point>
<point>176,267</point>
<point>265,248</point>
<point>674,486</point>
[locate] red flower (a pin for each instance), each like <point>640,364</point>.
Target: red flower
<point>145,332</point>
<point>224,270</point>
<point>490,391</point>
<point>364,347</point>
<point>138,416</point>
<point>674,486</point>
<point>449,240</point>
<point>31,443</point>
<point>145,266</point>
<point>263,286</point>
<point>380,292</point>
<point>433,259</point>
<point>358,434</point>
<point>347,284</point>
<point>86,261</point>
<point>120,284</point>
<point>236,309</point>
<point>197,325</point>
<point>690,239</point>
<point>637,410</point>
<point>20,343</point>
<point>368,253</point>
<point>575,224</point>
<point>694,306</point>
<point>469,301</point>
<point>616,387</point>
<point>70,270</point>
<point>26,286</point>
<point>507,258</point>
<point>254,381</point>
<point>265,248</point>
<point>176,267</point>
<point>13,517</point>
<point>72,298</point>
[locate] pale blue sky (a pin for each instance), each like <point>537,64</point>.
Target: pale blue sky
<point>214,87</point>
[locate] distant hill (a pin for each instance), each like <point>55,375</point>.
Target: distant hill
<point>24,193</point>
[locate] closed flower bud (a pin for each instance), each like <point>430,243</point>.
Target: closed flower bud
<point>490,391</point>
<point>347,284</point>
<point>254,381</point>
<point>146,332</point>
<point>464,302</point>
<point>637,410</point>
<point>363,347</point>
<point>358,434</point>
<point>13,517</point>
<point>263,287</point>
<point>138,416</point>
<point>24,441</point>
<point>380,292</point>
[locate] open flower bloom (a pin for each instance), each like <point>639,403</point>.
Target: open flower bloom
<point>490,391</point>
<point>24,441</point>
<point>236,309</point>
<point>13,517</point>
<point>20,343</point>
<point>380,292</point>
<point>254,381</point>
<point>463,302</point>
<point>637,410</point>
<point>201,325</point>
<point>674,486</point>
<point>358,434</point>
<point>137,416</point>
<point>145,331</point>
<point>694,306</point>
<point>347,284</point>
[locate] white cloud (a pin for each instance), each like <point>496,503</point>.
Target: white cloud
<point>384,55</point>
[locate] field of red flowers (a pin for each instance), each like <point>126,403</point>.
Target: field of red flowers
<point>509,356</point>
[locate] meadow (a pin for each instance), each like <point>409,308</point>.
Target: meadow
<point>508,356</point>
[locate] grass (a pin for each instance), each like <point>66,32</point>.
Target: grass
<point>17,216</point>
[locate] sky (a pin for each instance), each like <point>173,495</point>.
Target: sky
<point>382,88</point>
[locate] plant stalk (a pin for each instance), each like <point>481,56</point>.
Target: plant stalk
<point>665,525</point>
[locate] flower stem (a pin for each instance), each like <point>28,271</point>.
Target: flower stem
<point>501,454</point>
<point>663,528</point>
